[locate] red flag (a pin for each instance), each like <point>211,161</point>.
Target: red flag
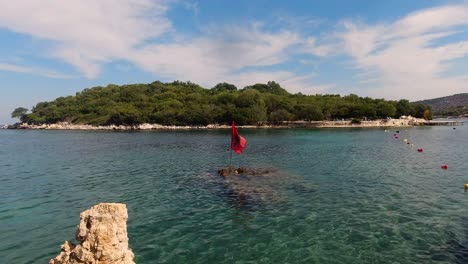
<point>238,143</point>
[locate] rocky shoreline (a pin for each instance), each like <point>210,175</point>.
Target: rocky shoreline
<point>402,122</point>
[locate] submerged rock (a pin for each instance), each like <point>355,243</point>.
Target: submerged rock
<point>244,171</point>
<point>227,171</point>
<point>102,234</point>
<point>256,188</point>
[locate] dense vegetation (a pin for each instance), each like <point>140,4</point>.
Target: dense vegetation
<point>186,103</point>
<point>454,105</point>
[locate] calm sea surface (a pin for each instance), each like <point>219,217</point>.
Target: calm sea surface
<point>330,195</point>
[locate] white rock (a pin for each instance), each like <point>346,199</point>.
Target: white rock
<point>102,234</point>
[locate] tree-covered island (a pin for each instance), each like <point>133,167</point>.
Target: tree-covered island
<point>186,103</point>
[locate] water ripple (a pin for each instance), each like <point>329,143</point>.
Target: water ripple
<point>333,196</point>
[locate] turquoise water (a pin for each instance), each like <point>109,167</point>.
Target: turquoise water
<point>331,196</point>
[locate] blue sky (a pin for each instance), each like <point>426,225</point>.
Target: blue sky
<point>387,49</point>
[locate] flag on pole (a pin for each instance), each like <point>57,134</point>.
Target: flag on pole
<point>238,143</point>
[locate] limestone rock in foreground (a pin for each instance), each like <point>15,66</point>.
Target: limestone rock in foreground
<point>102,234</point>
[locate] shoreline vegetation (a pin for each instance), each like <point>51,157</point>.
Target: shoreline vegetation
<point>382,123</point>
<point>179,105</point>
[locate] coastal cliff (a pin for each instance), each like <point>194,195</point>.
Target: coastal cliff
<point>102,234</point>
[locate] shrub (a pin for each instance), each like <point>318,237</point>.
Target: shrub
<point>356,121</point>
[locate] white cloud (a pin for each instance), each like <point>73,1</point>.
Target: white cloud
<point>431,20</point>
<point>216,56</point>
<point>409,57</point>
<point>35,71</point>
<point>405,57</point>
<point>224,54</point>
<point>310,46</point>
<point>87,33</point>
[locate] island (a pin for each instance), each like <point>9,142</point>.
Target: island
<point>177,104</point>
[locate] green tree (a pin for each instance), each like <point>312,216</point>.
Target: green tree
<point>418,110</point>
<point>280,115</point>
<point>403,107</point>
<point>427,114</point>
<point>224,87</point>
<point>124,114</point>
<point>20,113</point>
<point>270,87</point>
<point>385,110</point>
<point>309,112</point>
<point>251,108</point>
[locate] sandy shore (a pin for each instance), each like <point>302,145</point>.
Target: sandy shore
<point>403,122</point>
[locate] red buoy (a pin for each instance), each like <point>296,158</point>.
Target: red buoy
<point>444,166</point>
<point>420,150</point>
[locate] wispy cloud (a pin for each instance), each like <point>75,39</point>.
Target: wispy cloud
<point>407,58</point>
<point>35,71</point>
<point>191,6</point>
<point>218,55</point>
<point>87,33</point>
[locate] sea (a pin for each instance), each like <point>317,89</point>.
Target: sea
<point>357,195</point>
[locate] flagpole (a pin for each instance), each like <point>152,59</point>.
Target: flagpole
<point>230,161</point>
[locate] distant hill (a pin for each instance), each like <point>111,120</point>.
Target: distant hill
<point>454,105</point>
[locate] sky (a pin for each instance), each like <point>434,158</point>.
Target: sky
<point>383,49</point>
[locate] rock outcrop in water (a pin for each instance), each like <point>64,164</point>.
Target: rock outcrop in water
<point>254,187</point>
<point>102,234</point>
<point>227,171</point>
